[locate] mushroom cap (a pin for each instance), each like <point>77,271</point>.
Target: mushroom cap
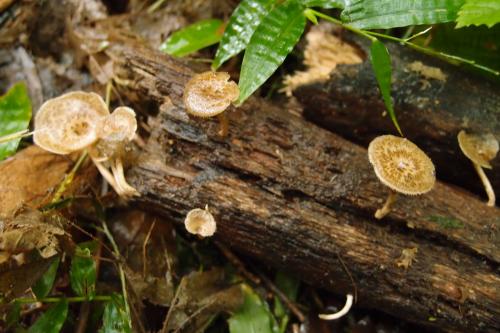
<point>121,125</point>
<point>479,148</point>
<point>209,94</point>
<point>200,222</point>
<point>401,165</point>
<point>69,122</point>
<point>114,133</point>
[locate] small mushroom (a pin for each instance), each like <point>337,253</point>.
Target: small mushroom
<point>209,94</point>
<point>402,166</point>
<point>115,132</point>
<point>200,222</point>
<point>80,121</point>
<point>69,123</point>
<point>480,149</point>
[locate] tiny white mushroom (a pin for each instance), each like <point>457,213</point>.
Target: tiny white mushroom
<point>200,222</point>
<point>342,312</point>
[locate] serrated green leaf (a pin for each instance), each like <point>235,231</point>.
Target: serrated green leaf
<point>383,14</point>
<point>15,115</point>
<point>480,44</point>
<point>44,285</point>
<point>194,37</point>
<point>273,40</point>
<point>327,4</point>
<point>52,320</point>
<point>381,63</point>
<point>83,270</point>
<point>114,319</point>
<point>254,316</point>
<point>477,12</point>
<point>242,24</point>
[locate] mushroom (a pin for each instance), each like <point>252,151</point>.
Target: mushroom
<point>209,94</point>
<point>69,123</point>
<point>402,166</point>
<point>115,132</point>
<point>79,121</point>
<point>480,149</point>
<point>200,222</point>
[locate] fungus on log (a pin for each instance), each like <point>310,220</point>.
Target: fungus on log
<point>433,101</point>
<point>301,198</point>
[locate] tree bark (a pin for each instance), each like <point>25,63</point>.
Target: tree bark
<point>430,111</point>
<point>302,199</point>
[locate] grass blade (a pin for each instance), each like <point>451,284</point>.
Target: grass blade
<point>381,63</point>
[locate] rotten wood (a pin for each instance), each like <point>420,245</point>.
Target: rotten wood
<point>430,108</point>
<point>299,198</point>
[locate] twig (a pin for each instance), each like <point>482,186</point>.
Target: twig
<point>69,178</point>
<point>236,262</point>
<point>288,303</point>
<point>144,248</point>
<point>75,299</point>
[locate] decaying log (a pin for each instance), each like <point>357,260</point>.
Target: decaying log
<point>302,199</point>
<point>432,105</point>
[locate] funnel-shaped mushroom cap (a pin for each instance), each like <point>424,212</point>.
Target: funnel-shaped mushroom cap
<point>69,123</point>
<point>480,149</point>
<point>200,222</point>
<point>119,126</point>
<point>209,93</point>
<point>401,165</point>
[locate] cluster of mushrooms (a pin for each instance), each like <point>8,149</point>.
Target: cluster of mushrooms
<point>80,121</point>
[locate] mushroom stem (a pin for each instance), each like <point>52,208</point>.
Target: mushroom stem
<point>487,185</point>
<point>341,313</point>
<point>107,176</point>
<point>119,174</point>
<point>224,124</point>
<point>381,212</point>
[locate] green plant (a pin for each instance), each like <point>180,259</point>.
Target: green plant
<point>268,30</point>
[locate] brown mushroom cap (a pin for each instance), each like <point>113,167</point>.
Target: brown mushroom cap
<point>114,133</point>
<point>479,148</point>
<point>401,165</point>
<point>209,94</point>
<point>121,125</point>
<point>200,222</point>
<point>69,122</point>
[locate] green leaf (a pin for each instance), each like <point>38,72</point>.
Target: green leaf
<point>44,285</point>
<point>289,285</point>
<point>383,14</point>
<point>381,63</point>
<point>52,320</point>
<point>193,38</point>
<point>477,12</point>
<point>15,115</point>
<point>254,316</point>
<point>83,270</point>
<point>324,3</point>
<point>242,24</point>
<point>114,319</point>
<point>476,43</point>
<point>273,40</point>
